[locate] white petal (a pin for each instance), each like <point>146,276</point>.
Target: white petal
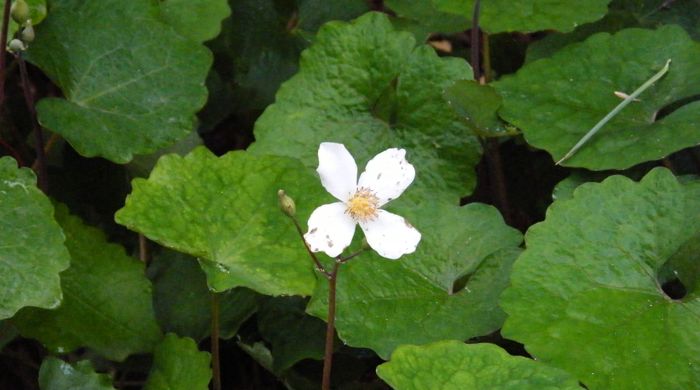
<point>390,235</point>
<point>330,229</point>
<point>337,169</point>
<point>388,174</point>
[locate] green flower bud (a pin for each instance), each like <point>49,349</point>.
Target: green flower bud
<point>20,11</point>
<point>286,203</point>
<point>27,34</point>
<point>16,46</point>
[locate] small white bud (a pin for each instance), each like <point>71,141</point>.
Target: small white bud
<point>286,203</point>
<point>27,34</point>
<point>16,46</point>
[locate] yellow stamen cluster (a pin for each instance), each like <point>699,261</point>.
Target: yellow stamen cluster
<point>363,205</point>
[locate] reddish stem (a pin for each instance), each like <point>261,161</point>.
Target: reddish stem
<point>330,328</point>
<point>3,49</point>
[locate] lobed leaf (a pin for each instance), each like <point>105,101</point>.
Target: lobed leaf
<point>367,86</point>
<point>107,299</point>
<point>28,272</point>
<point>225,211</point>
<point>447,289</point>
<point>593,274</point>
<point>131,84</point>
<point>455,365</point>
<point>555,101</point>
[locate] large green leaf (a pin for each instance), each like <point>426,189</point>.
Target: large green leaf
<point>225,211</point>
<point>107,299</point>
<point>179,365</point>
<point>132,85</point>
<point>454,365</point>
<point>528,15</point>
<point>182,301</point>
<point>555,101</point>
<point>366,86</point>
<point>31,243</point>
<point>448,289</point>
<point>591,277</point>
<point>199,20</point>
<point>55,374</point>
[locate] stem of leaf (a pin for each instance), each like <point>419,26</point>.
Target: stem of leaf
<point>330,326</point>
<point>40,162</point>
<point>144,253</point>
<point>215,362</point>
<point>492,146</point>
<point>3,48</point>
<point>474,50</point>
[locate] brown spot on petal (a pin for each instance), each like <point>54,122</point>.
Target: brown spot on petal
<point>312,231</point>
<point>330,244</point>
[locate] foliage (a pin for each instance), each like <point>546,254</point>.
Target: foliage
<point>143,144</point>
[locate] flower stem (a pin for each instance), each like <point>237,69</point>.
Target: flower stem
<point>343,260</point>
<point>319,267</point>
<point>42,181</point>
<point>330,326</point>
<point>3,48</point>
<point>215,362</point>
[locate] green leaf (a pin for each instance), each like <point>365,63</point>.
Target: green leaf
<point>590,276</point>
<point>225,211</point>
<point>182,301</point>
<point>454,365</point>
<point>32,253</point>
<point>478,105</point>
<point>263,39</point>
<point>314,13</point>
<point>422,18</point>
<point>556,101</point>
<point>528,15</point>
<point>448,289</point>
<point>55,374</point>
<point>625,14</point>
<point>372,94</point>
<point>132,85</point>
<point>107,299</point>
<point>199,20</point>
<point>179,365</point>
<point>292,333</point>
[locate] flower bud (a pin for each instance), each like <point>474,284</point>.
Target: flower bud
<point>19,11</point>
<point>286,203</point>
<point>27,34</point>
<point>16,46</point>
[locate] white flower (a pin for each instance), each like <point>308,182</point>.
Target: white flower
<point>386,176</point>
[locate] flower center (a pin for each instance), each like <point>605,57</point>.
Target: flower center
<point>363,205</point>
